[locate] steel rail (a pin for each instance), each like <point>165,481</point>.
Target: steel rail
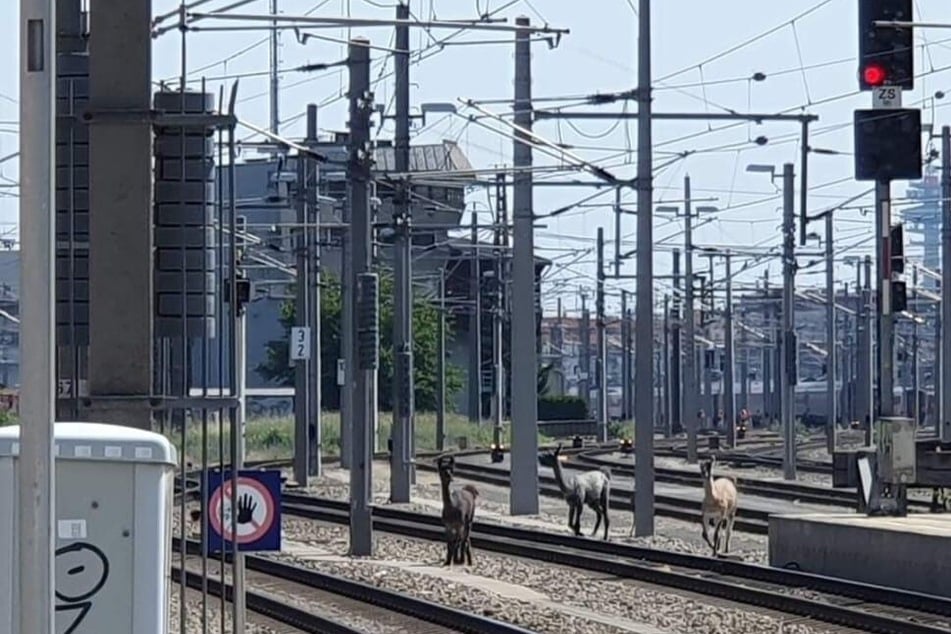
<point>454,619</point>
<point>641,563</point>
<point>748,520</point>
<point>273,609</point>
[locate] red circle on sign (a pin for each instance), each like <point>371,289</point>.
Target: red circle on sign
<point>217,499</point>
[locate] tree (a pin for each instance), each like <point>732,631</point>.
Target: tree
<point>425,345</point>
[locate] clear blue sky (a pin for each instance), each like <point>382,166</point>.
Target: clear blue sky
<point>703,58</point>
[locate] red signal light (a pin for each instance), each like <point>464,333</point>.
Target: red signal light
<point>874,75</point>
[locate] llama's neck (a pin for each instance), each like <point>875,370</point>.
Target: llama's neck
<point>444,479</point>
<point>708,484</point>
<point>560,476</point>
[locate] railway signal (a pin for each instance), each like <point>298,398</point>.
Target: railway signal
<point>886,54</point>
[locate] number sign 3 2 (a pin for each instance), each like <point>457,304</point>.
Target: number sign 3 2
<point>300,343</point>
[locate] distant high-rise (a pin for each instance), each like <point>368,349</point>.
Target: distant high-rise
<point>924,218</point>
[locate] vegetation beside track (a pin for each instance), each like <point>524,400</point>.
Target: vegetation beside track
<point>273,438</point>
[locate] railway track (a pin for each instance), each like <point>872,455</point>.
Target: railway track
<point>781,490</point>
<point>747,520</point>
<point>269,579</point>
<point>855,605</point>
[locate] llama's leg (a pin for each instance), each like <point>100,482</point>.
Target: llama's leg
<point>450,551</point>
<point>716,537</point>
<point>579,509</point>
<point>597,521</point>
<point>729,532</point>
<point>571,516</point>
<point>607,522</point>
<point>467,543</point>
<point>468,548</point>
<point>704,520</point>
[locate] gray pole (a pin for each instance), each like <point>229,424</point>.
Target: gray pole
<point>475,329</point>
<point>35,485</point>
<point>617,231</point>
<point>676,389</point>
<point>729,366</point>
<point>690,408</point>
<point>315,442</point>
<point>274,92</point>
<point>789,345</point>
<point>665,369</point>
<point>863,362</point>
<point>644,415</point>
<point>401,429</point>
<point>348,359</point>
<point>886,329</point>
<point>745,378</point>
<point>916,403</point>
<point>362,378</point>
<point>831,360</point>
<point>584,386</point>
<point>944,429</point>
<point>625,360</point>
<point>710,360</point>
<point>302,318</point>
<point>441,366</point>
<point>497,363</point>
<point>599,365</point>
<point>238,431</point>
<point>524,496</point>
<point>501,305</point>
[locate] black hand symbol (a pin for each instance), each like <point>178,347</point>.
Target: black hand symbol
<point>246,508</point>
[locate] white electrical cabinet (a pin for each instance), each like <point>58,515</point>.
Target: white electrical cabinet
<point>114,491</point>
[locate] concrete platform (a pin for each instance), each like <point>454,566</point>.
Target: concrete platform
<point>912,553</point>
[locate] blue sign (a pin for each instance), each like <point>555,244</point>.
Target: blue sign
<point>257,512</point>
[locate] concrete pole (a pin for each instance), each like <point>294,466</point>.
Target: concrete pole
<point>789,341</point>
<point>364,405</point>
<point>886,327</point>
<point>36,482</point>
<point>676,388</point>
<point>832,358</point>
<point>644,414</point>
<point>302,317</point>
<point>315,440</point>
<point>401,429</point>
<point>584,386</point>
<point>602,344</point>
<point>944,430</point>
<point>121,297</point>
<point>524,496</point>
<point>729,365</point>
<point>690,398</point>
<point>441,367</point>
<point>475,328</point>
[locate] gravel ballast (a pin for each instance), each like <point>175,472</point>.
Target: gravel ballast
<point>567,600</point>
